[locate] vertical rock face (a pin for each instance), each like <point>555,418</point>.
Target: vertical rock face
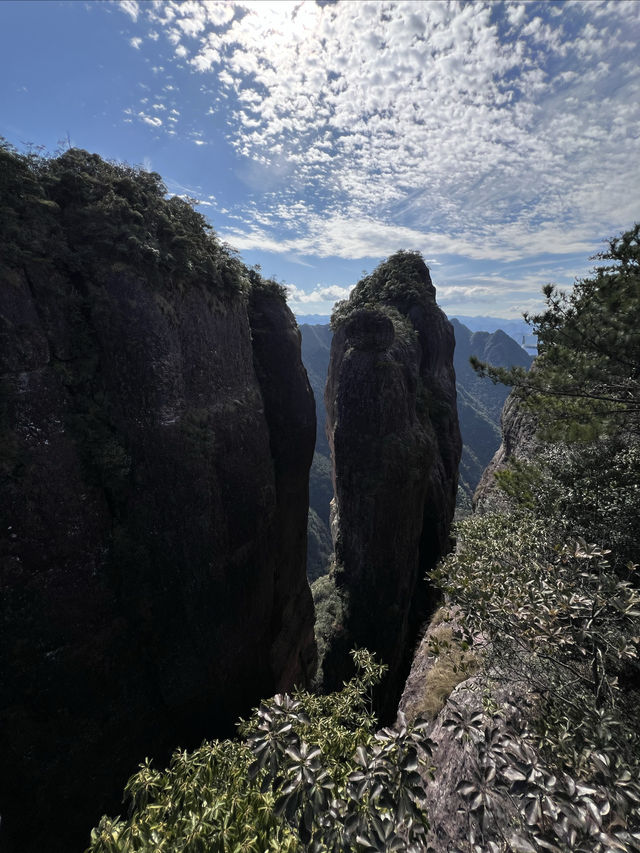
<point>154,481</point>
<point>393,431</point>
<point>519,441</point>
<point>290,413</point>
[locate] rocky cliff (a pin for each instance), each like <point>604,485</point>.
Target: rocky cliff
<point>519,442</point>
<point>479,406</point>
<point>393,431</point>
<point>157,430</point>
<point>480,402</point>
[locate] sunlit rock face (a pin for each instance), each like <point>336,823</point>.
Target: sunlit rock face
<point>395,442</point>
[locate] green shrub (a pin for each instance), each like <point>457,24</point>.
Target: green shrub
<point>588,489</point>
<point>267,286</point>
<point>331,608</point>
<point>84,214</point>
<point>308,774</point>
<point>561,623</point>
<point>398,282</point>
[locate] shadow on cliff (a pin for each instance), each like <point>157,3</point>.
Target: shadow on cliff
<point>157,429</point>
<point>392,427</point>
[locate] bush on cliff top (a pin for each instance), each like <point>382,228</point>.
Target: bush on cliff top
<point>83,214</point>
<point>397,282</point>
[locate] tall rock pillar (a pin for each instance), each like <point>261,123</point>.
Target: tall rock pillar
<point>395,442</point>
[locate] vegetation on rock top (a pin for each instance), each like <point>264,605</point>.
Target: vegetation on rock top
<point>81,213</point>
<point>398,282</point>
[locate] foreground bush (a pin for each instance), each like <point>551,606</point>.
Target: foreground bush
<point>310,773</point>
<point>558,624</point>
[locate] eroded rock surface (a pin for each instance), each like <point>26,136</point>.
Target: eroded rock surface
<point>393,431</point>
<point>156,440</point>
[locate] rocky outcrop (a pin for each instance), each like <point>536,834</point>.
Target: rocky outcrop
<point>519,441</point>
<point>479,404</point>
<point>157,433</point>
<point>480,401</point>
<point>459,759</point>
<point>393,431</point>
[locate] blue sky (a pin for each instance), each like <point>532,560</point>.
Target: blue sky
<point>502,140</point>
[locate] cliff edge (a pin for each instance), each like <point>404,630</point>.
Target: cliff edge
<point>157,430</point>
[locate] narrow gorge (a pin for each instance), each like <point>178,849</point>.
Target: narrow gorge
<point>157,429</point>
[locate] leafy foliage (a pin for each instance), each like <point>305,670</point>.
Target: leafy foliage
<point>268,286</point>
<point>309,774</point>
<point>590,490</point>
<point>79,211</point>
<point>556,812</point>
<point>399,281</point>
<point>561,622</point>
<point>586,379</point>
<point>331,605</point>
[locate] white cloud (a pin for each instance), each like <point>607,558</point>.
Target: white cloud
<point>320,294</point>
<point>154,121</point>
<point>130,7</point>
<point>357,238</point>
<point>516,14</point>
<point>422,124</point>
<point>135,42</point>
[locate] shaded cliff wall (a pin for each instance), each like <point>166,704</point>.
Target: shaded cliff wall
<point>291,416</point>
<point>393,430</point>
<point>154,491</point>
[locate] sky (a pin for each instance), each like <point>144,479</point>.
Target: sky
<point>501,140</point>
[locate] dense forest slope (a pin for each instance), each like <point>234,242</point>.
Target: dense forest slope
<point>157,429</point>
<point>393,430</point>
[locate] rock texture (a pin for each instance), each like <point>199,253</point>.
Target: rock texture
<point>157,434</point>
<point>289,408</point>
<point>519,441</point>
<point>457,759</point>
<point>480,402</point>
<point>393,431</point>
